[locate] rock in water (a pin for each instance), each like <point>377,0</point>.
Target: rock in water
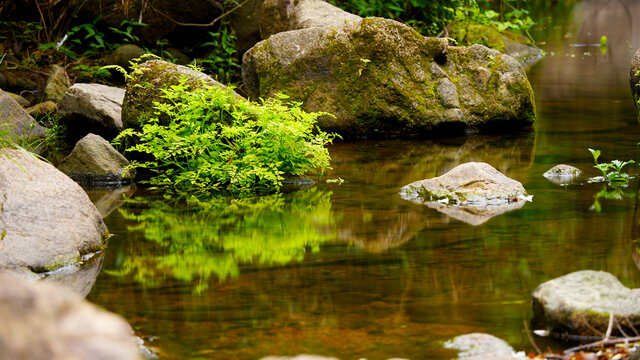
<point>46,220</point>
<point>472,192</point>
<point>14,118</point>
<point>562,174</point>
<point>92,108</point>
<point>479,346</point>
<point>94,162</point>
<point>381,77</point>
<point>45,322</point>
<point>579,302</point>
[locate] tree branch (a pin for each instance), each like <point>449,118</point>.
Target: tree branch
<point>179,23</point>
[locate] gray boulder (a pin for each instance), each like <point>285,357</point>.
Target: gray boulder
<point>634,80</point>
<point>46,220</point>
<point>92,108</point>
<point>124,54</point>
<point>57,84</point>
<point>17,120</point>
<point>479,346</point>
<point>579,302</point>
<point>562,174</point>
<point>138,104</point>
<point>41,321</point>
<point>472,193</point>
<point>285,15</point>
<point>381,77</point>
<point>472,184</point>
<point>94,162</point>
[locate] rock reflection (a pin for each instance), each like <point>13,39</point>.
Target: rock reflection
<point>108,199</point>
<point>474,215</point>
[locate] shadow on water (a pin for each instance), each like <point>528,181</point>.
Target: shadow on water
<point>354,271</point>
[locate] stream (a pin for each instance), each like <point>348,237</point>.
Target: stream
<point>353,271</point>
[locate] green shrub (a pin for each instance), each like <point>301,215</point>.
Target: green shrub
<point>216,140</point>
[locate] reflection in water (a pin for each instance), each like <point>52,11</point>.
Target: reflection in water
<point>474,215</point>
<point>198,239</point>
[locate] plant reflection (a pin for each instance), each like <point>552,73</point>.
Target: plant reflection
<point>613,192</point>
<point>195,239</point>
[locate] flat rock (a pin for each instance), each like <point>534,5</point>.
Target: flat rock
<point>581,301</point>
<point>94,162</point>
<point>563,174</point>
<point>92,108</point>
<point>479,346</point>
<point>21,125</point>
<point>41,321</point>
<point>46,219</point>
<point>379,77</point>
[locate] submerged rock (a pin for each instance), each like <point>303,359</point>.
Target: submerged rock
<point>285,15</point>
<point>579,302</point>
<point>479,346</point>
<point>14,118</point>
<point>381,77</point>
<point>41,321</point>
<point>46,220</point>
<point>92,108</point>
<point>563,174</point>
<point>57,84</point>
<point>94,162</point>
<point>471,192</point>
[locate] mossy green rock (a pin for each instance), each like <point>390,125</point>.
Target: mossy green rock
<point>381,77</point>
<point>580,302</point>
<point>145,88</point>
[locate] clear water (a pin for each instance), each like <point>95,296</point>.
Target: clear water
<point>354,271</point>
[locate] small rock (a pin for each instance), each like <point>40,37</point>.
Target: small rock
<point>20,123</point>
<point>562,174</point>
<point>581,301</point>
<point>57,84</point>
<point>42,321</point>
<point>19,99</point>
<point>94,162</point>
<point>43,109</point>
<point>47,221</point>
<point>479,346</point>
<point>123,55</point>
<point>92,108</point>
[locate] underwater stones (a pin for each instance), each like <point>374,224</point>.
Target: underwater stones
<point>479,346</point>
<point>285,15</point>
<point>57,84</point>
<point>138,104</point>
<point>92,108</point>
<point>380,77</point>
<point>472,192</point>
<point>579,302</point>
<point>46,220</point>
<point>562,174</point>
<point>94,162</point>
<point>42,321</point>
<point>14,117</point>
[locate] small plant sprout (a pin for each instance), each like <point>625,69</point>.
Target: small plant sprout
<point>363,66</point>
<point>611,171</point>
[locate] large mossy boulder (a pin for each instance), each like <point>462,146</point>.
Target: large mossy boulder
<point>45,322</point>
<point>145,88</point>
<point>94,162</point>
<point>17,121</point>
<point>46,219</point>
<point>580,303</point>
<point>285,15</point>
<point>381,77</point>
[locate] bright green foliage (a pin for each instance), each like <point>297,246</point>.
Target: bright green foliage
<point>612,171</point>
<point>198,240</point>
<point>215,140</point>
<point>221,58</point>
